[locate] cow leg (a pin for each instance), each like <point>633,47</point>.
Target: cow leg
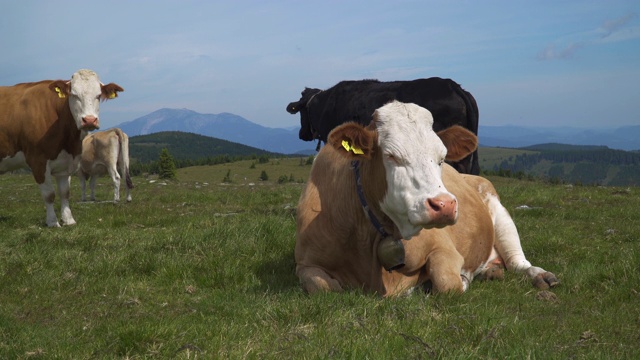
<point>49,195</point>
<point>507,243</point>
<point>83,186</point>
<point>317,280</point>
<point>92,185</point>
<point>128,189</point>
<point>444,268</point>
<point>64,184</point>
<point>115,179</point>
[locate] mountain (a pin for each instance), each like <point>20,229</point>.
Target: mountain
<point>225,126</point>
<point>623,138</point>
<point>237,129</point>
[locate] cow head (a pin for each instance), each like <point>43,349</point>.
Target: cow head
<point>84,92</point>
<point>400,142</point>
<point>307,132</point>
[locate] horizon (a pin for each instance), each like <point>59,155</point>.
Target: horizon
<point>246,132</point>
<point>553,64</point>
<point>297,126</point>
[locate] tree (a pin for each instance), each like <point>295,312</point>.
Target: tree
<point>263,176</point>
<point>167,166</point>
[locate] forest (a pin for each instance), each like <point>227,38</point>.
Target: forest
<point>583,165</point>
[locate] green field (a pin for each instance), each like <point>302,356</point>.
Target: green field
<point>201,269</point>
<point>490,157</point>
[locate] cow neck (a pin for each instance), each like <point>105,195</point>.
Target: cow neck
<point>355,165</point>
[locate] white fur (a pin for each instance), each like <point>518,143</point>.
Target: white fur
<point>412,157</point>
<point>84,99</point>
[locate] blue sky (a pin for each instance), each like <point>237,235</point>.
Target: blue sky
<point>531,63</point>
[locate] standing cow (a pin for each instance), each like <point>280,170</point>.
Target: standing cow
<point>321,111</point>
<point>42,125</point>
<point>382,212</point>
<point>102,153</point>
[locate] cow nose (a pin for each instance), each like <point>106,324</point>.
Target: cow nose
<point>90,122</point>
<point>442,210</point>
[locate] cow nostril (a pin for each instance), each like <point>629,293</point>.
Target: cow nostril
<point>436,204</point>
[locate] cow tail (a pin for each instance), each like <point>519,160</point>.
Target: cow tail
<point>123,157</point>
<point>473,116</point>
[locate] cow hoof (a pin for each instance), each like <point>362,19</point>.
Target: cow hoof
<point>545,280</point>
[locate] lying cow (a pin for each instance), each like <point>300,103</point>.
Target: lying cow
<point>42,125</point>
<point>382,212</point>
<point>102,153</point>
<point>321,111</point>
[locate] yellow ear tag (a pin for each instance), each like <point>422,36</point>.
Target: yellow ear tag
<point>60,93</point>
<point>348,147</point>
<point>113,95</point>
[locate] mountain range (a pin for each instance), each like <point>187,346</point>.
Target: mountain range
<point>237,129</point>
<point>224,126</point>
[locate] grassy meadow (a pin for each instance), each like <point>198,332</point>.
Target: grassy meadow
<point>200,269</point>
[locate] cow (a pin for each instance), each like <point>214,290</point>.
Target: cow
<point>42,125</point>
<point>321,111</point>
<point>102,153</point>
<point>382,212</point>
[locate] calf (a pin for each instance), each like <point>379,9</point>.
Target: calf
<point>102,153</point>
<point>42,125</point>
<point>383,212</point>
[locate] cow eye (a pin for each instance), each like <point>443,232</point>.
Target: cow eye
<point>393,159</point>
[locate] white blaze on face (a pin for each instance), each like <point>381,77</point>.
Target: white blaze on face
<point>412,156</point>
<point>84,99</point>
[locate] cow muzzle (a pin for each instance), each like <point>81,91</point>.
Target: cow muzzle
<point>90,123</point>
<point>441,210</point>
<point>293,107</point>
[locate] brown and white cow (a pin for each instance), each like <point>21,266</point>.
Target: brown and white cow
<point>102,153</point>
<point>42,125</point>
<point>381,197</point>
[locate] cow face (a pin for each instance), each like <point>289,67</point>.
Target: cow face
<point>307,133</point>
<point>412,155</point>
<point>85,91</point>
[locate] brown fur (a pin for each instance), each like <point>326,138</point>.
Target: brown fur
<point>336,244</point>
<point>35,119</point>
<point>37,122</point>
<point>99,159</point>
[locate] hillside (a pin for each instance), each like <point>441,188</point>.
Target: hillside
<point>225,126</point>
<point>201,269</point>
<point>581,164</point>
<point>237,129</point>
<point>594,165</point>
<point>186,146</point>
<point>623,138</point>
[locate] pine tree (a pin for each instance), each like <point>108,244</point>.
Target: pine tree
<point>167,166</point>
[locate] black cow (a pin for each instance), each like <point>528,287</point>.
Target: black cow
<point>321,111</point>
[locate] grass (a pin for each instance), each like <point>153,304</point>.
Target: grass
<point>197,269</point>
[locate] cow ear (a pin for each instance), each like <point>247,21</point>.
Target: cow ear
<point>61,87</point>
<point>459,142</point>
<point>352,140</point>
<point>110,91</point>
